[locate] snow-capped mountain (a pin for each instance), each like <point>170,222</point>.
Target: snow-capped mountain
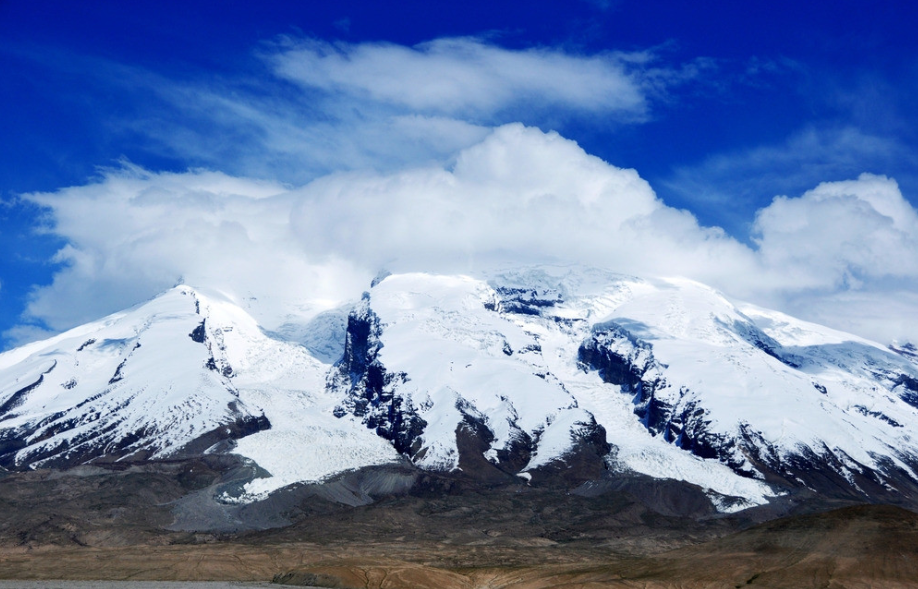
<point>662,377</point>
<point>182,375</point>
<point>525,375</point>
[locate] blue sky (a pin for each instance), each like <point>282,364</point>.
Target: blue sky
<point>720,107</point>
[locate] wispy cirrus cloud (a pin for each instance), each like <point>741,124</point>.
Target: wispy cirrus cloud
<point>307,107</point>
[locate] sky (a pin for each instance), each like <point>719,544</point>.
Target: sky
<point>289,151</point>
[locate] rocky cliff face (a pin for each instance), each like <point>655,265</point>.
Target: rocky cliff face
<point>680,416</point>
<point>369,390</point>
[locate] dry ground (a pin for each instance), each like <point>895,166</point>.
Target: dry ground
<point>865,546</point>
<point>95,524</point>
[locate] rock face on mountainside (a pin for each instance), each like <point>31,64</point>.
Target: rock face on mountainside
<point>367,386</point>
<point>680,417</point>
<point>538,376</point>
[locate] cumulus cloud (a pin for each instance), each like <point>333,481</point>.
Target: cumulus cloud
<point>844,254</point>
<point>521,194</point>
<point>838,254</point>
<point>135,233</point>
<point>853,231</point>
<point>23,334</point>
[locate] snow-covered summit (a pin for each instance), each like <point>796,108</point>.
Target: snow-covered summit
<point>122,386</point>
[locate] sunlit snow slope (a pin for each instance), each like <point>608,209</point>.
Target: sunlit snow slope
<point>181,375</point>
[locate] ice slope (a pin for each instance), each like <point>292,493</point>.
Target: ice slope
<point>183,374</point>
<point>713,393</point>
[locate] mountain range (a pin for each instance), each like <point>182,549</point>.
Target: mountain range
<point>533,376</point>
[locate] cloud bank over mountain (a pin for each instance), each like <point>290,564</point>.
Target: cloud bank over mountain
<point>843,253</point>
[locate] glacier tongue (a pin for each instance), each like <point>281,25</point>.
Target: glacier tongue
<point>306,442</point>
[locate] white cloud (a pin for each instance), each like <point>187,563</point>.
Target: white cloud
<point>844,254</point>
<point>317,108</point>
<point>521,195</point>
<point>466,77</point>
<point>370,106</point>
<point>437,187</point>
<point>19,335</point>
<point>135,233</point>
<point>852,231</point>
<point>884,314</point>
<point>837,254</point>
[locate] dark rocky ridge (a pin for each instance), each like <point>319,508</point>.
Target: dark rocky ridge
<point>622,359</point>
<point>367,387</point>
<point>526,301</point>
<point>19,397</point>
